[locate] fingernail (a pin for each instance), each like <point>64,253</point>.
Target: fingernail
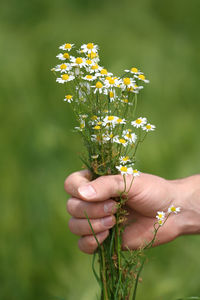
<point>108,221</point>
<point>87,191</point>
<point>109,207</point>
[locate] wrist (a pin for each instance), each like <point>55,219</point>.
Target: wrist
<point>187,196</point>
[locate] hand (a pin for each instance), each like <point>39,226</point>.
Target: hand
<point>148,194</point>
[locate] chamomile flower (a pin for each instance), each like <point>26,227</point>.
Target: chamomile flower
<point>78,62</point>
<point>142,77</point>
<point>89,77</point>
<point>120,141</point>
<point>98,87</point>
<point>148,127</point>
<point>95,156</point>
<point>133,70</point>
<point>127,83</point>
<point>66,47</point>
<point>111,82</point>
<point>82,125</point>
<point>63,68</point>
<point>68,98</point>
<point>139,122</point>
<point>104,73</point>
<point>136,173</point>
<point>129,136</point>
<point>124,170</point>
<point>94,68</point>
<point>124,160</point>
<point>109,120</point>
<point>160,215</point>
<point>160,222</point>
<point>89,48</point>
<point>120,121</point>
<point>65,78</point>
<point>173,209</point>
<point>63,56</point>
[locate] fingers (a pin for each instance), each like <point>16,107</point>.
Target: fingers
<point>88,244</point>
<point>82,227</point>
<point>79,208</point>
<point>100,189</point>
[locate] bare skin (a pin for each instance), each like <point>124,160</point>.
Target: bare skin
<point>147,195</point>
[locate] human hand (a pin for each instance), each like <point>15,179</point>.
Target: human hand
<point>147,195</point>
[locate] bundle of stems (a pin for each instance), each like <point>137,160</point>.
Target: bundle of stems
<point>105,109</point>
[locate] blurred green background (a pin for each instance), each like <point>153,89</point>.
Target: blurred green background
<point>39,258</point>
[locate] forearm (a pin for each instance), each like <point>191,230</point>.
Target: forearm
<point>187,196</point>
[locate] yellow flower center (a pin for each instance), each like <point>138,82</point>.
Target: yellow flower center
<point>148,126</point>
<point>99,85</point>
<point>63,66</point>
<point>135,171</point>
<point>79,60</point>
<point>97,127</point>
<point>68,97</point>
<point>125,158</point>
<point>125,100</point>
<point>111,118</point>
<point>173,208</point>
<point>66,55</point>
<point>68,46</point>
<point>104,72</point>
<point>92,55</point>
<point>119,120</point>
<point>111,80</point>
<point>99,123</point>
<point>123,169</point>
<point>142,77</point>
<point>89,76</point>
<point>111,94</point>
<point>127,81</point>
<point>138,121</point>
<point>90,46</point>
<point>88,61</point>
<point>111,135</point>
<point>160,216</point>
<point>82,125</point>
<point>122,141</point>
<point>94,117</point>
<point>95,67</point>
<point>128,135</point>
<point>134,70</point>
<point>65,77</point>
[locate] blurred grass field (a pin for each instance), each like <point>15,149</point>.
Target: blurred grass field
<point>39,258</point>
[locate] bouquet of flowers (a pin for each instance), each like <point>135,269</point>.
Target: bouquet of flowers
<point>105,109</point>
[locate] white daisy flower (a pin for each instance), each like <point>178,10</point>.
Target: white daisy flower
<point>78,61</point>
<point>131,137</point>
<point>120,121</point>
<point>98,87</point>
<point>89,77</point>
<point>136,173</point>
<point>66,47</point>
<point>68,98</point>
<point>82,125</point>
<point>90,47</point>
<point>127,83</point>
<point>142,77</point>
<point>94,68</point>
<point>148,127</point>
<point>124,170</point>
<point>95,156</point>
<point>139,122</point>
<point>109,120</point>
<point>63,68</point>
<point>104,73</point>
<point>124,159</point>
<point>111,82</point>
<point>65,78</point>
<point>63,56</point>
<point>174,209</point>
<point>120,141</point>
<point>160,222</point>
<point>160,215</point>
<point>133,71</point>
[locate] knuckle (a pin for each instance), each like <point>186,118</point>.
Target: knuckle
<point>68,181</point>
<point>91,242</point>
